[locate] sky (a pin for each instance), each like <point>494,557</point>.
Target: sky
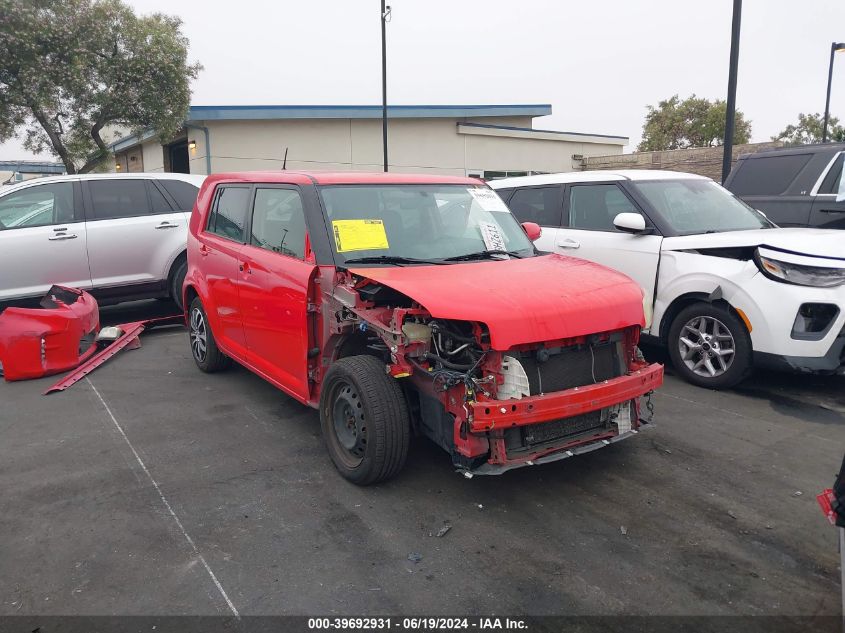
<point>598,63</point>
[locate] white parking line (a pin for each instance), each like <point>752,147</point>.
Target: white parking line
<point>166,504</point>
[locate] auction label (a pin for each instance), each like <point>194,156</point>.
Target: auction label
<point>488,199</point>
<point>359,235</point>
<point>421,623</point>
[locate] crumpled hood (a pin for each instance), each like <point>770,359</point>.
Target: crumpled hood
<point>521,300</point>
<point>818,242</point>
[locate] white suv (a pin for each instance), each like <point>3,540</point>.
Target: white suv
<point>728,289</point>
<point>121,236</point>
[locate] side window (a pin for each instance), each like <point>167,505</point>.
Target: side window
<point>228,216</point>
<point>594,207</point>
<point>278,221</point>
<point>41,205</point>
<point>767,175</point>
<point>184,193</point>
<point>158,202</point>
<point>118,198</point>
<point>540,205</point>
<point>830,184</point>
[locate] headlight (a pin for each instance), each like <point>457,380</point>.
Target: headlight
<point>800,274</point>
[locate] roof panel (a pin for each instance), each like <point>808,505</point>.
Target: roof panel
<point>263,112</point>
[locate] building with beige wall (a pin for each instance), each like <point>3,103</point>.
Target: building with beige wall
<point>481,140</point>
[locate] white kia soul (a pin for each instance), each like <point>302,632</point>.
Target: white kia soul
<point>727,289</point>
<point>120,236</point>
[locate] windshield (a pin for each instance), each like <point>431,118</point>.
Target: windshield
<point>700,206</point>
<point>425,222</point>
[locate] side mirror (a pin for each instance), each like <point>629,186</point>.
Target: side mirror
<point>532,230</point>
<point>629,222</point>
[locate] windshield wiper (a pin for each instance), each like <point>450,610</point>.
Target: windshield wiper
<point>390,259</point>
<point>488,254</point>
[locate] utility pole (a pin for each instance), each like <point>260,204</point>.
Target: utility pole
<point>730,115</point>
<point>834,46</point>
<point>385,13</point>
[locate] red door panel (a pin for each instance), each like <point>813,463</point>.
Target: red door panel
<point>220,268</point>
<point>274,290</point>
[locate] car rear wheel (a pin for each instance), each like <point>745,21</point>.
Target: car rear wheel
<point>207,355</point>
<point>364,419</point>
<point>177,280</point>
<point>709,346</point>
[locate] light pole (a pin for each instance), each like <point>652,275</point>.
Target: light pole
<point>834,46</point>
<point>731,106</point>
<point>385,15</point>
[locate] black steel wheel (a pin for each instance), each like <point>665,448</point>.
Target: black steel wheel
<point>364,419</point>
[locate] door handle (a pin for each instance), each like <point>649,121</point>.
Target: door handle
<point>204,250</point>
<point>167,225</point>
<point>244,268</point>
<point>58,238</point>
<point>832,210</point>
<point>567,242</point>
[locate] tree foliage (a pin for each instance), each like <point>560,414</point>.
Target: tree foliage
<point>809,130</point>
<point>693,122</point>
<point>71,70</point>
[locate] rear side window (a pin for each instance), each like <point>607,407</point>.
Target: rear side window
<point>228,215</point>
<point>830,184</point>
<point>118,199</point>
<point>278,221</point>
<point>158,202</point>
<point>185,194</point>
<point>768,176</point>
<point>594,207</point>
<point>41,205</point>
<point>540,205</point>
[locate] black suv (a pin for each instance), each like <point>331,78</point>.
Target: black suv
<point>793,186</point>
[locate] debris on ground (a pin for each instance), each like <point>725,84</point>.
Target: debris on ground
<point>442,531</point>
<point>414,557</point>
<point>731,514</point>
<point>623,529</point>
<point>797,493</point>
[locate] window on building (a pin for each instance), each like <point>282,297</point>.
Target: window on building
<point>594,207</point>
<point>228,216</point>
<point>278,221</point>
<point>118,198</point>
<point>541,205</point>
<point>496,175</point>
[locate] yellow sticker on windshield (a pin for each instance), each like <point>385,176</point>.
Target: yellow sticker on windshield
<point>359,235</point>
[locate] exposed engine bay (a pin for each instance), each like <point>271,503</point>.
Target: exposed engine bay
<point>490,409</point>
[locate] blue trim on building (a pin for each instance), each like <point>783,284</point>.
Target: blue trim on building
<point>31,167</point>
<point>258,112</point>
<point>531,129</point>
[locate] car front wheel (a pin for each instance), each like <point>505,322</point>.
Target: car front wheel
<point>709,346</point>
<point>364,420</point>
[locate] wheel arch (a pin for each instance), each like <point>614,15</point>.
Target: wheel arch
<point>682,301</point>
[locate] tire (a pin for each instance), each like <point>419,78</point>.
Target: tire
<point>210,359</point>
<point>364,420</point>
<point>177,279</point>
<point>711,329</point>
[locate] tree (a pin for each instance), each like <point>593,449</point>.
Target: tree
<point>693,122</point>
<point>71,70</point>
<point>809,130</point>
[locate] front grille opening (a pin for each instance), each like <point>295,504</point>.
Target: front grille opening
<point>86,342</point>
<point>545,434</point>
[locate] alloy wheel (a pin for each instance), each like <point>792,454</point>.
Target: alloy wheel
<point>707,346</point>
<point>199,335</point>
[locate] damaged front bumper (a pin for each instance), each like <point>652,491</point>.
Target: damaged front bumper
<point>497,419</point>
<point>58,336</point>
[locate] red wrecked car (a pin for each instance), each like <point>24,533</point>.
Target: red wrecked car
<point>400,304</point>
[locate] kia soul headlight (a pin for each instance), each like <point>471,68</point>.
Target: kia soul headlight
<point>828,274</point>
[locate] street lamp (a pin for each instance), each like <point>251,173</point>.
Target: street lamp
<point>730,110</point>
<point>385,18</point>
<point>834,46</point>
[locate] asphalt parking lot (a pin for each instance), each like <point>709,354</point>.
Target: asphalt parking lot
<point>152,488</point>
